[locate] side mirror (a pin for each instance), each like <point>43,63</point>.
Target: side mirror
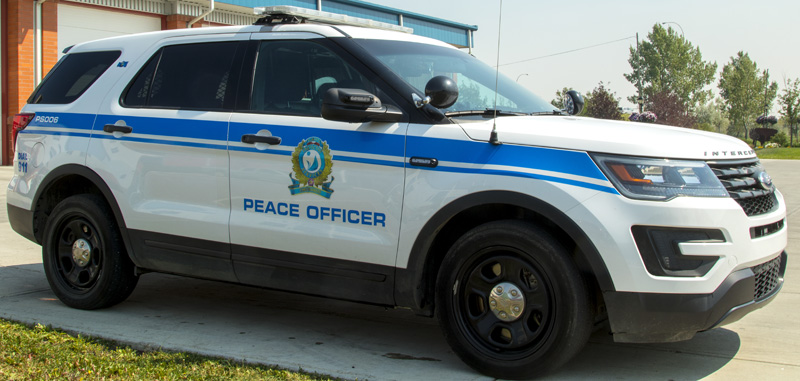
<point>442,90</point>
<point>573,103</point>
<point>356,106</point>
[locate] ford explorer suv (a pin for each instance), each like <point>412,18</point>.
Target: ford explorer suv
<point>390,169</point>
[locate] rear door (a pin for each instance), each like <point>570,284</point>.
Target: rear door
<point>160,142</point>
<point>320,211</point>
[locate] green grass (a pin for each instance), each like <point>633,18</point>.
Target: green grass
<point>41,353</point>
<point>779,153</point>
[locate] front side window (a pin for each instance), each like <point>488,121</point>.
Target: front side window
<point>73,75</point>
<point>192,76</point>
<point>291,77</point>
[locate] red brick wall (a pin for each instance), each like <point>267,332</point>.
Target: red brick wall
<point>19,52</point>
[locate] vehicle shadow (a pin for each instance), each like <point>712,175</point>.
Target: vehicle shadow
<point>337,338</point>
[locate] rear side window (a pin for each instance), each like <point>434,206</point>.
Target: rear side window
<point>72,76</point>
<point>192,76</point>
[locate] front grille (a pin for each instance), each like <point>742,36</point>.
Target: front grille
<point>768,277</point>
<point>740,179</point>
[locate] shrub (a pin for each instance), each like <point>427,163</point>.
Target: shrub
<point>781,139</point>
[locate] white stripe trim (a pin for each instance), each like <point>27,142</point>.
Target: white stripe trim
<point>493,167</point>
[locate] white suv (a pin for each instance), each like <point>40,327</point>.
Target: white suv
<point>376,166</point>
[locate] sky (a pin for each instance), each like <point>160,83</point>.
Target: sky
<point>765,29</point>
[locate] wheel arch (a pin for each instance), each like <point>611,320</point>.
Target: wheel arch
<point>68,180</point>
<point>414,285</point>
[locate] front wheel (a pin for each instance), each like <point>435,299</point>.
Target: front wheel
<point>511,302</point>
<point>83,255</point>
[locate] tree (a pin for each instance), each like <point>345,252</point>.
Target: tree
<point>747,93</point>
<point>790,106</point>
<point>712,114</point>
<point>603,104</point>
<point>667,63</point>
<point>671,110</point>
<point>558,101</point>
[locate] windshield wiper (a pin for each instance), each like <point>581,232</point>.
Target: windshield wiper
<point>486,113</point>
<point>554,112</point>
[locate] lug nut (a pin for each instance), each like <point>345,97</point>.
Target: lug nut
<point>514,293</point>
<point>499,289</point>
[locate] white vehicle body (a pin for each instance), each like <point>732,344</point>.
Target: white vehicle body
<point>191,197</point>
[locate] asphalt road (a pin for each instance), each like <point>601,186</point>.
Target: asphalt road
<point>355,341</point>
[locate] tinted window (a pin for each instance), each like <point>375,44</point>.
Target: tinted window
<point>194,76</point>
<point>72,76</point>
<point>291,76</point>
<point>417,63</point>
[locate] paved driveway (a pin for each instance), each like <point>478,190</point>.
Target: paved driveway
<point>365,342</point>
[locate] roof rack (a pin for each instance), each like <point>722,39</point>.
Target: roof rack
<point>284,14</point>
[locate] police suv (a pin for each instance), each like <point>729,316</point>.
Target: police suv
<point>378,167</point>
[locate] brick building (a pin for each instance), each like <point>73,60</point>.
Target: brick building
<point>35,32</point>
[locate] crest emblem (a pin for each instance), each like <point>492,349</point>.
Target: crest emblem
<point>311,166</point>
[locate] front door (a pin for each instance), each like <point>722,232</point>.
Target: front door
<point>320,211</point>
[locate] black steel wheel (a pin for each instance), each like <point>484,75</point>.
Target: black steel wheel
<point>511,302</point>
<point>83,255</point>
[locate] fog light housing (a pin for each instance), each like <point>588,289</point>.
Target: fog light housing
<point>658,247</point>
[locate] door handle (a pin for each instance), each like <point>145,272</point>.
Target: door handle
<point>253,139</point>
<point>117,128</point>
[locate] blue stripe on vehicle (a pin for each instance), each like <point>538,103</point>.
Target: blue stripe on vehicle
<point>366,142</point>
<point>554,179</point>
<point>65,120</point>
<point>162,141</point>
<point>546,159</point>
<point>170,127</point>
<point>55,133</point>
<point>567,162</point>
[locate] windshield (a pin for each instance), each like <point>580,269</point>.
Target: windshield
<point>417,63</point>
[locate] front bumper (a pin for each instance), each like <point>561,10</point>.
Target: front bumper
<point>657,317</point>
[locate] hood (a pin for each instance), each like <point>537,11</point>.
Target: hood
<point>609,136</point>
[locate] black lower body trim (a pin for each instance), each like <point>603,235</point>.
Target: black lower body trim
<point>310,274</point>
<point>21,221</point>
<point>182,255</point>
<point>280,270</point>
<point>649,317</point>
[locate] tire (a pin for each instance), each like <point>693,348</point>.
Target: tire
<point>84,258</point>
<point>538,321</point>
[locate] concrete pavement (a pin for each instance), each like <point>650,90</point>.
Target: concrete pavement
<point>355,341</point>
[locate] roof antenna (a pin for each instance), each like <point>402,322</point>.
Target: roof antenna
<point>493,137</point>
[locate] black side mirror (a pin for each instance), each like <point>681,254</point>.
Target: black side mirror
<point>442,90</point>
<point>573,103</point>
<point>355,106</point>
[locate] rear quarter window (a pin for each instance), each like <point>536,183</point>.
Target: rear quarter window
<point>72,76</point>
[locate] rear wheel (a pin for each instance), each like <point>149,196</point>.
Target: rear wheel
<point>511,302</point>
<point>83,255</point>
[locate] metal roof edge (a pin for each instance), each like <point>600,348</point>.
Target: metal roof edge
<point>378,7</point>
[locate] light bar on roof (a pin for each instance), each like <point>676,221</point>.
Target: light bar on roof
<point>329,18</point>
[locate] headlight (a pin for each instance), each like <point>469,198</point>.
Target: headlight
<point>660,179</point>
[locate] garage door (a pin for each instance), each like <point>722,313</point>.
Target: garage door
<point>79,24</point>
